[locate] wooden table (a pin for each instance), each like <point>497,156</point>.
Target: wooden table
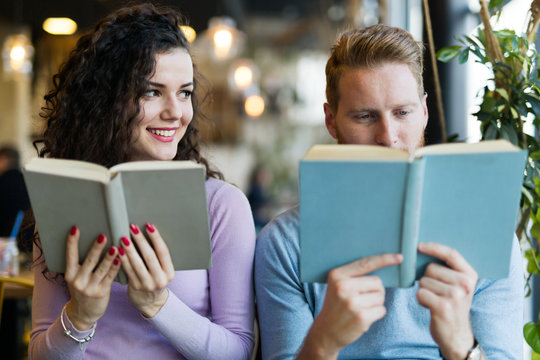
<point>17,287</point>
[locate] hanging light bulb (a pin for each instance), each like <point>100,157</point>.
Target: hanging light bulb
<point>59,26</point>
<point>17,54</point>
<point>224,38</point>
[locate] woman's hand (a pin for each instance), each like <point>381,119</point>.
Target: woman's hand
<point>89,284</point>
<point>150,272</point>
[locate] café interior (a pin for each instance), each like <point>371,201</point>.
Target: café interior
<point>265,61</point>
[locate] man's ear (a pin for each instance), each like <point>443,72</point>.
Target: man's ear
<point>425,109</point>
<point>330,120</point>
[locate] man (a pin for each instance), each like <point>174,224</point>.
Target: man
<point>13,195</point>
<point>375,96</point>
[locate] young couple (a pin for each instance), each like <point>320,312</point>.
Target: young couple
<point>130,91</point>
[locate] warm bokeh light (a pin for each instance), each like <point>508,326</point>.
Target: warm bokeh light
<point>243,77</point>
<point>60,26</point>
<point>17,53</point>
<point>254,105</point>
<point>189,33</point>
<point>222,42</point>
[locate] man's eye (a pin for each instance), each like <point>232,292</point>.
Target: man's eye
<point>403,113</point>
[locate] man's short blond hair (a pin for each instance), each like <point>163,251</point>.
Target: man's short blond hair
<point>368,48</point>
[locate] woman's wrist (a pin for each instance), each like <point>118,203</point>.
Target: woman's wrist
<point>151,310</point>
<point>78,323</point>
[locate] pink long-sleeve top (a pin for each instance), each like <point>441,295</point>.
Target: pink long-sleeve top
<point>208,314</point>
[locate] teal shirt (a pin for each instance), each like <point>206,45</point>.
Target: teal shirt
<point>287,307</point>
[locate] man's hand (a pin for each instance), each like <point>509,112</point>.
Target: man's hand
<point>353,302</point>
<point>447,292</point>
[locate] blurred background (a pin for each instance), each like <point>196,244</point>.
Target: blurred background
<point>265,60</point>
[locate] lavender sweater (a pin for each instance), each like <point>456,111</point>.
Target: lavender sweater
<point>208,315</point>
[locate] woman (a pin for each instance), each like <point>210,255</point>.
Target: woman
<point>129,91</point>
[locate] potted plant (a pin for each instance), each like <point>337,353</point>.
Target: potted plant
<point>511,99</point>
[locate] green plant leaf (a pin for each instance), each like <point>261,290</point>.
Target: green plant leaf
<point>504,33</point>
<point>511,134</point>
<point>532,336</point>
<point>503,93</point>
<point>448,53</point>
<point>494,4</point>
<point>534,100</point>
<point>535,355</point>
<point>531,255</point>
<point>535,155</point>
<point>464,56</point>
<point>490,133</point>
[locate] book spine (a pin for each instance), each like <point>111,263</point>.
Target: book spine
<point>411,221</point>
<point>117,215</point>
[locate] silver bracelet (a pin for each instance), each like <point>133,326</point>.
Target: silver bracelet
<point>67,332</point>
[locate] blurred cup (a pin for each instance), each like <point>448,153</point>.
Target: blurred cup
<point>9,257</point>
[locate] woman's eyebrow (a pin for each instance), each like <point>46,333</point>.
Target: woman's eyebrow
<point>151,83</point>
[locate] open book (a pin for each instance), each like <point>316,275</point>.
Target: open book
<point>169,194</point>
<point>357,201</point>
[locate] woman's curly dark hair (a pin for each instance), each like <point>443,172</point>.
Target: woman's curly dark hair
<point>94,102</point>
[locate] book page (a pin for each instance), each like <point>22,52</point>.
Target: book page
<point>355,152</point>
<point>154,165</point>
<point>486,146</point>
<point>69,168</point>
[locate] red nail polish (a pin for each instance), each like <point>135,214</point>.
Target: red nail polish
<point>125,241</point>
<point>73,230</point>
<point>121,251</point>
<point>134,228</point>
<point>100,238</point>
<point>116,261</point>
<point>150,227</point>
<point>112,250</point>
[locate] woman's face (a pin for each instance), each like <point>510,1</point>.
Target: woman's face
<point>166,108</point>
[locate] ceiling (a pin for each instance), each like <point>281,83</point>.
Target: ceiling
<point>86,12</point>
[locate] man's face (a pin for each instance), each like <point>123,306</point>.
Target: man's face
<point>379,106</point>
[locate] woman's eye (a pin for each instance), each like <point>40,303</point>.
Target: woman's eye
<point>186,94</point>
<point>151,93</point>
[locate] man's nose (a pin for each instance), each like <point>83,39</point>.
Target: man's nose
<point>385,132</point>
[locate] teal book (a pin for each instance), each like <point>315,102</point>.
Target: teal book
<point>358,201</point>
<point>169,194</point>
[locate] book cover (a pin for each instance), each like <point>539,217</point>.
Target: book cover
<point>169,194</point>
<point>357,201</point>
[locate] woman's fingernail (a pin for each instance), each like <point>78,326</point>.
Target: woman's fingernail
<point>121,251</point>
<point>100,238</point>
<point>134,228</point>
<point>150,227</point>
<point>116,261</point>
<point>73,230</point>
<point>112,250</point>
<point>125,241</point>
